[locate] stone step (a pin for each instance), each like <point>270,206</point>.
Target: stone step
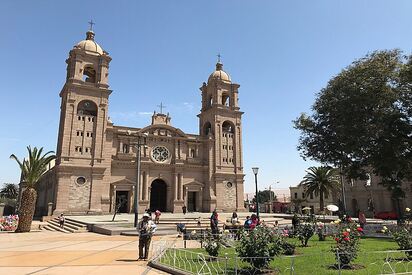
<point>76,222</point>
<point>66,225</point>
<point>57,228</point>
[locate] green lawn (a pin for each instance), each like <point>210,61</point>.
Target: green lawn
<point>314,259</point>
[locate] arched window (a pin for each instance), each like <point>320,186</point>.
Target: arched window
<point>207,128</point>
<point>225,100</point>
<point>227,127</point>
<point>87,107</point>
<point>210,101</point>
<point>89,74</point>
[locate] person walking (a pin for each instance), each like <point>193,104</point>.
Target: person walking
<point>146,229</point>
<point>214,222</point>
<point>62,219</point>
<point>362,219</point>
<point>157,216</point>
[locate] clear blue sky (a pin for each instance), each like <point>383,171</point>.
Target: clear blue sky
<point>280,52</point>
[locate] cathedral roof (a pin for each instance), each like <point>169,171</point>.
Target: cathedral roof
<point>89,44</point>
<point>219,73</point>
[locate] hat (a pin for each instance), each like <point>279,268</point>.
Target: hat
<point>146,215</point>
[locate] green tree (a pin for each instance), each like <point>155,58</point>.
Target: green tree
<point>32,169</point>
<point>362,120</point>
<point>320,181</point>
<point>264,196</point>
<point>9,191</point>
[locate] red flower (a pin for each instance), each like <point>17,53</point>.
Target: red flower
<point>346,233</point>
<point>337,239</point>
<point>359,229</point>
<point>346,239</point>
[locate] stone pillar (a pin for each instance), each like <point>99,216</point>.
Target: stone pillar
<point>181,195</point>
<point>200,197</point>
<point>132,201</point>
<point>49,209</point>
<point>146,190</point>
<point>113,199</point>
<point>2,205</point>
<point>142,187</point>
<point>176,186</point>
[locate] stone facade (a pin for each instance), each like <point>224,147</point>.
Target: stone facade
<point>299,199</point>
<point>373,198</point>
<point>96,164</point>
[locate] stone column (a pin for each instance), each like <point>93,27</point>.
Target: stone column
<point>146,190</point>
<point>113,196</point>
<point>181,195</point>
<point>49,209</point>
<point>2,205</point>
<point>176,186</point>
<point>200,197</point>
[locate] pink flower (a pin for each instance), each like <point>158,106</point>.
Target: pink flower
<point>346,239</point>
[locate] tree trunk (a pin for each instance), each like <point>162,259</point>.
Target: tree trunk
<point>26,211</point>
<point>321,203</point>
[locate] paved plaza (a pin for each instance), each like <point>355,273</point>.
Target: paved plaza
<point>60,253</point>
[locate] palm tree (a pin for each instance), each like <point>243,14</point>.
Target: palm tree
<point>9,191</point>
<point>32,169</point>
<point>320,181</point>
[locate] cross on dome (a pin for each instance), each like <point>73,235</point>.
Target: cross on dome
<point>91,23</point>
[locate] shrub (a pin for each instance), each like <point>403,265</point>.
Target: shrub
<point>403,238</point>
<point>9,223</point>
<point>258,247</point>
<point>347,243</point>
<point>211,244</point>
<point>304,232</point>
<point>320,231</point>
<point>288,248</point>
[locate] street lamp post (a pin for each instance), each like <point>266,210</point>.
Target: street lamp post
<point>255,171</point>
<point>141,141</point>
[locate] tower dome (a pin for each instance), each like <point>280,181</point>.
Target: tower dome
<point>89,45</point>
<point>219,73</point>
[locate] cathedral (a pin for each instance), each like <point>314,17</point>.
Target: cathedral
<point>99,164</point>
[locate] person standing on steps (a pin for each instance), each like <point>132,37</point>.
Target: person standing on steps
<point>157,216</point>
<point>184,209</point>
<point>146,229</point>
<point>62,219</point>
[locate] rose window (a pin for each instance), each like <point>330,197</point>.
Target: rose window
<point>160,153</point>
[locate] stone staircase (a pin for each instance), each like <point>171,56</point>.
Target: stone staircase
<point>70,226</point>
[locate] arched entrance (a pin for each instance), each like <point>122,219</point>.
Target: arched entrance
<point>158,195</point>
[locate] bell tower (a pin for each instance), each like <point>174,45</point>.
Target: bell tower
<point>220,124</point>
<point>81,160</point>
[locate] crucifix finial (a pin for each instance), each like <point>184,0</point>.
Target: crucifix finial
<point>161,106</point>
<point>91,23</point>
<point>219,58</point>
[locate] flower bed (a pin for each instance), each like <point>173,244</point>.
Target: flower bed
<point>9,223</point>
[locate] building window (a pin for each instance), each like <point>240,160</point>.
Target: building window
<point>296,195</point>
<point>81,180</point>
<point>192,153</point>
<point>303,195</point>
<point>125,148</point>
<point>229,185</point>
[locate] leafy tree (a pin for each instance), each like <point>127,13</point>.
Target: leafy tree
<point>320,181</point>
<point>362,120</point>
<point>32,169</point>
<point>264,196</point>
<point>9,191</point>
